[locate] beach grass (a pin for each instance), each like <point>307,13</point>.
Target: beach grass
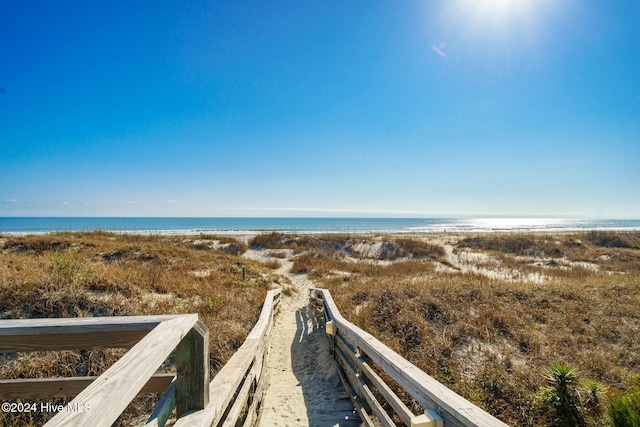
<point>107,274</point>
<point>489,315</point>
<point>490,318</point>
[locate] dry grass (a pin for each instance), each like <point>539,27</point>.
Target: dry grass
<point>103,274</point>
<point>272,264</point>
<point>490,339</point>
<point>299,242</point>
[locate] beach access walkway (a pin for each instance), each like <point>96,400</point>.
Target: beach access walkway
<point>303,384</point>
<point>302,364</point>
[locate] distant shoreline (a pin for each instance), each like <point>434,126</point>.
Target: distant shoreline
<point>249,226</point>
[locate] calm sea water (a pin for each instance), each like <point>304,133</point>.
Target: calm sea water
<point>23,225</point>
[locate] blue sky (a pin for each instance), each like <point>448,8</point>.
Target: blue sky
<point>308,108</point>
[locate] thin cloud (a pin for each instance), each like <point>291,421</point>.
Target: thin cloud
<point>439,51</point>
<point>11,201</point>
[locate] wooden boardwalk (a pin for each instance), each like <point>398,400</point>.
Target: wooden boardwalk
<point>304,387</point>
<point>302,364</point>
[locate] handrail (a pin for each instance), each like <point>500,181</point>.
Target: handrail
<point>76,333</point>
<point>236,392</point>
<point>355,350</point>
<point>100,401</point>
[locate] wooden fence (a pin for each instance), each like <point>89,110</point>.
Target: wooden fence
<point>234,394</point>
<point>358,353</point>
<point>99,401</point>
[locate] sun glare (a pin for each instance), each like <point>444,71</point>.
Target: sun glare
<point>498,4</point>
<point>496,11</point>
<point>496,23</point>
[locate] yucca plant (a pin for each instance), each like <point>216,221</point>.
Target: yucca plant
<point>562,383</point>
<point>592,395</point>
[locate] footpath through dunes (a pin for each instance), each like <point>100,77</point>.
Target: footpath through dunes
<point>304,387</point>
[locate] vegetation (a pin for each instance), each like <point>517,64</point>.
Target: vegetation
<point>505,320</point>
<point>624,409</point>
<point>508,321</point>
<point>344,245</point>
<point>104,274</point>
<point>562,397</point>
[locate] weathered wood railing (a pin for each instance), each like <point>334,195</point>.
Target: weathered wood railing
<point>234,395</point>
<point>356,351</point>
<point>99,401</point>
<point>236,392</point>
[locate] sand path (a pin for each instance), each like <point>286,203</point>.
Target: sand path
<point>303,384</point>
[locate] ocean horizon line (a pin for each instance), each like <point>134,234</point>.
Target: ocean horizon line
<point>202,225</point>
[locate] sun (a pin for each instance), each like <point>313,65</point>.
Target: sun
<point>496,15</point>
<point>496,29</point>
<point>501,7</point>
<point>499,4</point>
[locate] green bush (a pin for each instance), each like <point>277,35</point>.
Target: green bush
<point>624,410</point>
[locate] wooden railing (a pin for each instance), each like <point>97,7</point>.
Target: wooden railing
<point>358,353</point>
<point>236,392</point>
<point>234,395</point>
<point>99,401</point>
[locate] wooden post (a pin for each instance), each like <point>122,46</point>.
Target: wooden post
<point>192,364</point>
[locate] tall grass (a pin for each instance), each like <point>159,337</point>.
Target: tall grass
<point>490,339</point>
<point>104,274</point>
<point>624,409</point>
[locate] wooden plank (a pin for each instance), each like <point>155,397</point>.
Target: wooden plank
<point>455,410</point>
<point>47,388</point>
<point>71,341</point>
<point>347,351</point>
<point>75,333</point>
<point>381,414</point>
<point>398,406</point>
<point>347,369</point>
<point>253,412</point>
<point>224,385</point>
<point>192,366</point>
<point>266,314</point>
<point>80,324</point>
<point>239,403</point>
<point>345,339</point>
<point>164,407</point>
<point>260,358</point>
<point>112,391</point>
<point>364,416</point>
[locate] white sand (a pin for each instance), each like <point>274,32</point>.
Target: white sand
<point>303,384</point>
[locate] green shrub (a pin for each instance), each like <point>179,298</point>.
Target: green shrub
<point>624,410</point>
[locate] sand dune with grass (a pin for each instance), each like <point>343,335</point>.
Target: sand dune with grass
<point>486,315</point>
<point>491,315</point>
<point>108,274</point>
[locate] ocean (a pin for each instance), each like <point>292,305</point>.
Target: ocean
<point>190,226</point>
